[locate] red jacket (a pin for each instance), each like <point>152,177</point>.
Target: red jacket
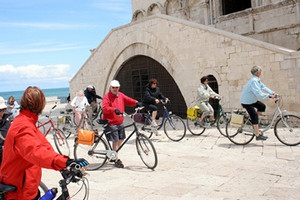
<point>26,152</point>
<point>110,102</point>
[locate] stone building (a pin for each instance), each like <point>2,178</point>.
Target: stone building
<point>179,41</point>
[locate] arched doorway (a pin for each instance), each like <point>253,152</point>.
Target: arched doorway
<point>134,75</point>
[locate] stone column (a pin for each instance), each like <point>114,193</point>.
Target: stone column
<point>298,12</point>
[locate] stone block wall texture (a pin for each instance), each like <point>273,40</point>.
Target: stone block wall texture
<point>273,21</point>
<point>188,51</point>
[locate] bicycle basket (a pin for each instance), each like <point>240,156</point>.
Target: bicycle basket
<point>61,119</point>
<point>86,137</point>
<point>237,120</point>
<point>192,113</point>
<point>139,118</point>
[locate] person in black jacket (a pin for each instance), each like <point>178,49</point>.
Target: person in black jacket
<point>152,97</point>
<point>90,94</point>
<point>4,125</point>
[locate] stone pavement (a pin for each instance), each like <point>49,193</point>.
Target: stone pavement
<point>205,167</point>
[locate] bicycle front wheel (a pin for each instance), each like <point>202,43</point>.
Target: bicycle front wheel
<point>61,142</point>
<point>221,123</point>
<point>194,126</point>
<point>79,190</point>
<point>43,188</point>
<point>240,135</point>
<point>95,155</point>
<point>146,150</point>
<point>174,128</point>
<point>67,128</point>
<point>287,130</point>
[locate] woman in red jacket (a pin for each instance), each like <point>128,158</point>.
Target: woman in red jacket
<point>26,150</point>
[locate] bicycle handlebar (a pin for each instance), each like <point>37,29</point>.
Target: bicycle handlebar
<point>73,173</point>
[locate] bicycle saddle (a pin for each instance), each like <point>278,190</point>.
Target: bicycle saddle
<point>7,188</point>
<point>69,110</point>
<point>102,121</point>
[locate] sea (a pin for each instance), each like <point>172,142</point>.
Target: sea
<point>60,93</point>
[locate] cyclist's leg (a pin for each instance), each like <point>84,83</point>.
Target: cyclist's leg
<point>206,111</point>
<point>211,112</point>
<point>153,109</point>
<point>253,116</point>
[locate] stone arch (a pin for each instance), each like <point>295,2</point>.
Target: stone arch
<point>138,14</point>
<point>134,75</point>
<point>155,8</point>
<point>149,51</point>
<point>177,8</point>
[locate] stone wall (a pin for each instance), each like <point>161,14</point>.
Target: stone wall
<point>272,21</point>
<point>191,51</point>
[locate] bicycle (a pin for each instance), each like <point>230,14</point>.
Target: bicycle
<point>69,124</point>
<point>221,118</point>
<point>74,174</point>
<point>98,112</point>
<point>60,140</point>
<point>101,150</point>
<point>174,126</point>
<point>286,128</point>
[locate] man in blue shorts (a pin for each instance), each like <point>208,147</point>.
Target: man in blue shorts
<point>113,106</point>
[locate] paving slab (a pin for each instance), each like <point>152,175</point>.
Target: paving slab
<point>206,167</point>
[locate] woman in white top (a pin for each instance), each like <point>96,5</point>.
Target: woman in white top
<point>79,104</point>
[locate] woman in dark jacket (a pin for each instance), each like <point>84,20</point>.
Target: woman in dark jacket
<point>4,125</point>
<point>152,97</point>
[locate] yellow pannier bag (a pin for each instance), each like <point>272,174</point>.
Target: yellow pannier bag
<point>237,120</point>
<point>86,137</point>
<point>61,119</point>
<point>192,113</point>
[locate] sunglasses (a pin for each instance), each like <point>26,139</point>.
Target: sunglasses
<point>114,87</point>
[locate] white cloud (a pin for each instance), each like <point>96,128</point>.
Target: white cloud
<point>35,73</point>
<point>21,50</point>
<point>52,26</point>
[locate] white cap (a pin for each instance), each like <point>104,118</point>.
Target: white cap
<point>114,83</point>
<point>90,86</point>
<point>2,103</point>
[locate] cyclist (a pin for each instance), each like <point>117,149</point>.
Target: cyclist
<point>204,93</point>
<point>90,94</point>
<point>152,96</point>
<point>113,106</point>
<point>12,108</point>
<point>252,91</point>
<point>27,151</point>
<point>79,104</point>
<point>4,125</point>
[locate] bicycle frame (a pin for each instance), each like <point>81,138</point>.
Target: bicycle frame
<point>111,154</point>
<point>52,126</point>
<point>276,113</point>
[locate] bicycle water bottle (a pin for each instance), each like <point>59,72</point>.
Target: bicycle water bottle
<point>50,194</point>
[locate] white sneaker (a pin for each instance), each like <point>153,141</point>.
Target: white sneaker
<point>153,123</point>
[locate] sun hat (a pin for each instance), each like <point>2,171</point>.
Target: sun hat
<point>114,83</point>
<point>2,103</point>
<point>90,86</point>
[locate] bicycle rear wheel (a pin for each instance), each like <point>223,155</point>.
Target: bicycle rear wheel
<point>146,150</point>
<point>61,142</point>
<point>95,155</point>
<point>221,123</point>
<point>194,126</point>
<point>287,130</point>
<point>240,135</point>
<point>174,128</point>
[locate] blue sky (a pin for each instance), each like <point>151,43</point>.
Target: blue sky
<point>44,42</point>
